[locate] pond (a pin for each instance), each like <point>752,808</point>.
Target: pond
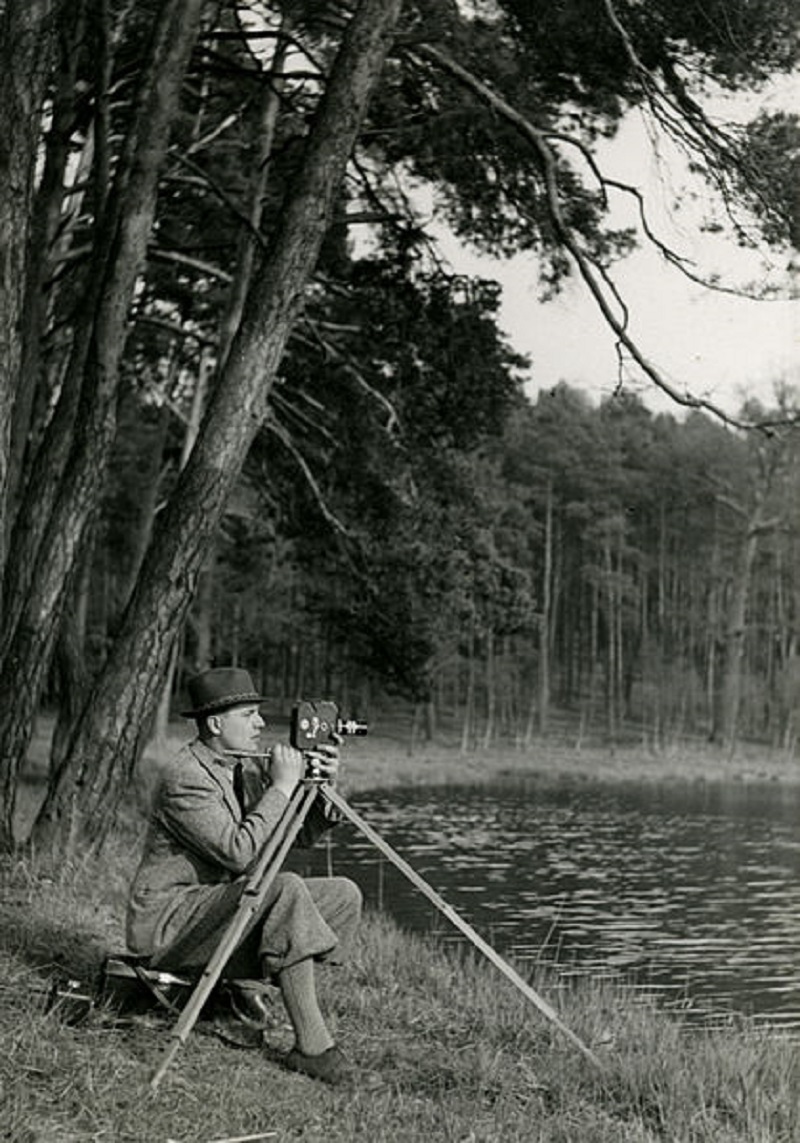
<point>688,890</point>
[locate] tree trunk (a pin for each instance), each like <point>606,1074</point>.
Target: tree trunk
<point>47,221</point>
<point>545,622</point>
<point>70,660</point>
<point>247,252</point>
<point>203,657</point>
<point>109,737</point>
<point>164,702</point>
<point>247,246</point>
<point>71,462</point>
<point>594,653</point>
<point>735,629</point>
<point>26,39</point>
<point>611,629</point>
<point>468,721</point>
<point>54,530</point>
<point>491,691</point>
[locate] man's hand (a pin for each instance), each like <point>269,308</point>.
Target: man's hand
<point>323,761</point>
<point>287,768</point>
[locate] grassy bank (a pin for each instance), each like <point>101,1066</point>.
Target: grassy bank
<point>383,758</point>
<point>452,1051</point>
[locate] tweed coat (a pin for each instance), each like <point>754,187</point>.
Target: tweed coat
<point>199,839</point>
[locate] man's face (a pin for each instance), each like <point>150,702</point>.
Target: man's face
<point>237,729</point>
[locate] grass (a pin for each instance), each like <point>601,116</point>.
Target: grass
<point>453,1052</point>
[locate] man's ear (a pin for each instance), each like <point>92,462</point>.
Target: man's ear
<point>214,724</point>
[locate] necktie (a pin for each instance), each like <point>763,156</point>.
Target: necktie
<point>238,786</point>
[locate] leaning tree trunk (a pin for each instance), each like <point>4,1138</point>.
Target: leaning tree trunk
<point>119,256</point>
<point>110,735</point>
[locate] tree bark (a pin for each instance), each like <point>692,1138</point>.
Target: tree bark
<point>55,525</point>
<point>490,688</point>
<point>114,728</point>
<point>71,662</point>
<point>71,460</point>
<point>247,251</point>
<point>545,620</point>
<point>26,39</point>
<point>47,218</point>
<point>735,630</point>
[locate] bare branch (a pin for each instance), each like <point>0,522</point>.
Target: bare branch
<point>181,332</point>
<point>375,197</point>
<point>687,124</point>
<point>350,368</point>
<point>220,192</point>
<point>162,255</point>
<point>594,276</point>
<point>209,137</point>
<point>277,430</point>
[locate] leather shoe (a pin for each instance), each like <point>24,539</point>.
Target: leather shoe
<point>330,1066</point>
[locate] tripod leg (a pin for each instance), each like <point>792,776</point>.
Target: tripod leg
<point>254,893</point>
<point>450,913</point>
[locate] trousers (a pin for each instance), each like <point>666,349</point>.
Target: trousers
<point>300,918</point>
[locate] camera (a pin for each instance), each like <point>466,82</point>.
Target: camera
<point>315,721</point>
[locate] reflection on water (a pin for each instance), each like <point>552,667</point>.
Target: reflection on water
<point>692,890</point>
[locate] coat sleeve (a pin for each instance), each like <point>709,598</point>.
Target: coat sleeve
<point>193,809</point>
<point>322,815</point>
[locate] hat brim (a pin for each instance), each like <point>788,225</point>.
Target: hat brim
<point>221,704</point>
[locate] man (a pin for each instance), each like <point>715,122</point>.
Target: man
<point>208,826</point>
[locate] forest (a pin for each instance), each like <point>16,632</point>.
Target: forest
<point>250,415</point>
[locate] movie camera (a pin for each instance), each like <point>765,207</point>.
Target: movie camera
<point>315,721</point>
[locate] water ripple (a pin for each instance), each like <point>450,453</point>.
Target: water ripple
<point>688,888</point>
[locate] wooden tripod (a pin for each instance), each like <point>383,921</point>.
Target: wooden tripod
<point>258,884</point>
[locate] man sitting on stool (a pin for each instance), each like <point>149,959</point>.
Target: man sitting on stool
<point>208,825</point>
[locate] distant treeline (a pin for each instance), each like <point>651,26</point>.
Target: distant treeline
<point>626,568</point>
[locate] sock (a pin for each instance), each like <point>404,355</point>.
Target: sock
<point>299,993</point>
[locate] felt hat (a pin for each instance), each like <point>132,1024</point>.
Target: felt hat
<point>218,689</point>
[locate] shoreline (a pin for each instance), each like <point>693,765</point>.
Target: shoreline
<point>382,760</point>
<point>383,763</point>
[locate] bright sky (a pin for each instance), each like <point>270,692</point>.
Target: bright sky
<point>712,345</point>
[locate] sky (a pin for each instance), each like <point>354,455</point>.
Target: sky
<point>705,343</point>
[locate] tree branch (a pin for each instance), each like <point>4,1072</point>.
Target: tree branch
<point>159,253</point>
<point>277,430</point>
<point>350,368</point>
<point>204,177</point>
<point>687,124</point>
<point>594,276</point>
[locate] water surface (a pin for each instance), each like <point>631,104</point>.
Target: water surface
<point>691,890</point>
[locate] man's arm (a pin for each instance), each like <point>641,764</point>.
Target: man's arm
<point>256,779</point>
<point>195,812</point>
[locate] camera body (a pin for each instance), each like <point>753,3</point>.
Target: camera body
<point>315,721</point>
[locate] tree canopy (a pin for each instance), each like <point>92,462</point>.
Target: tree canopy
<point>195,344</point>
